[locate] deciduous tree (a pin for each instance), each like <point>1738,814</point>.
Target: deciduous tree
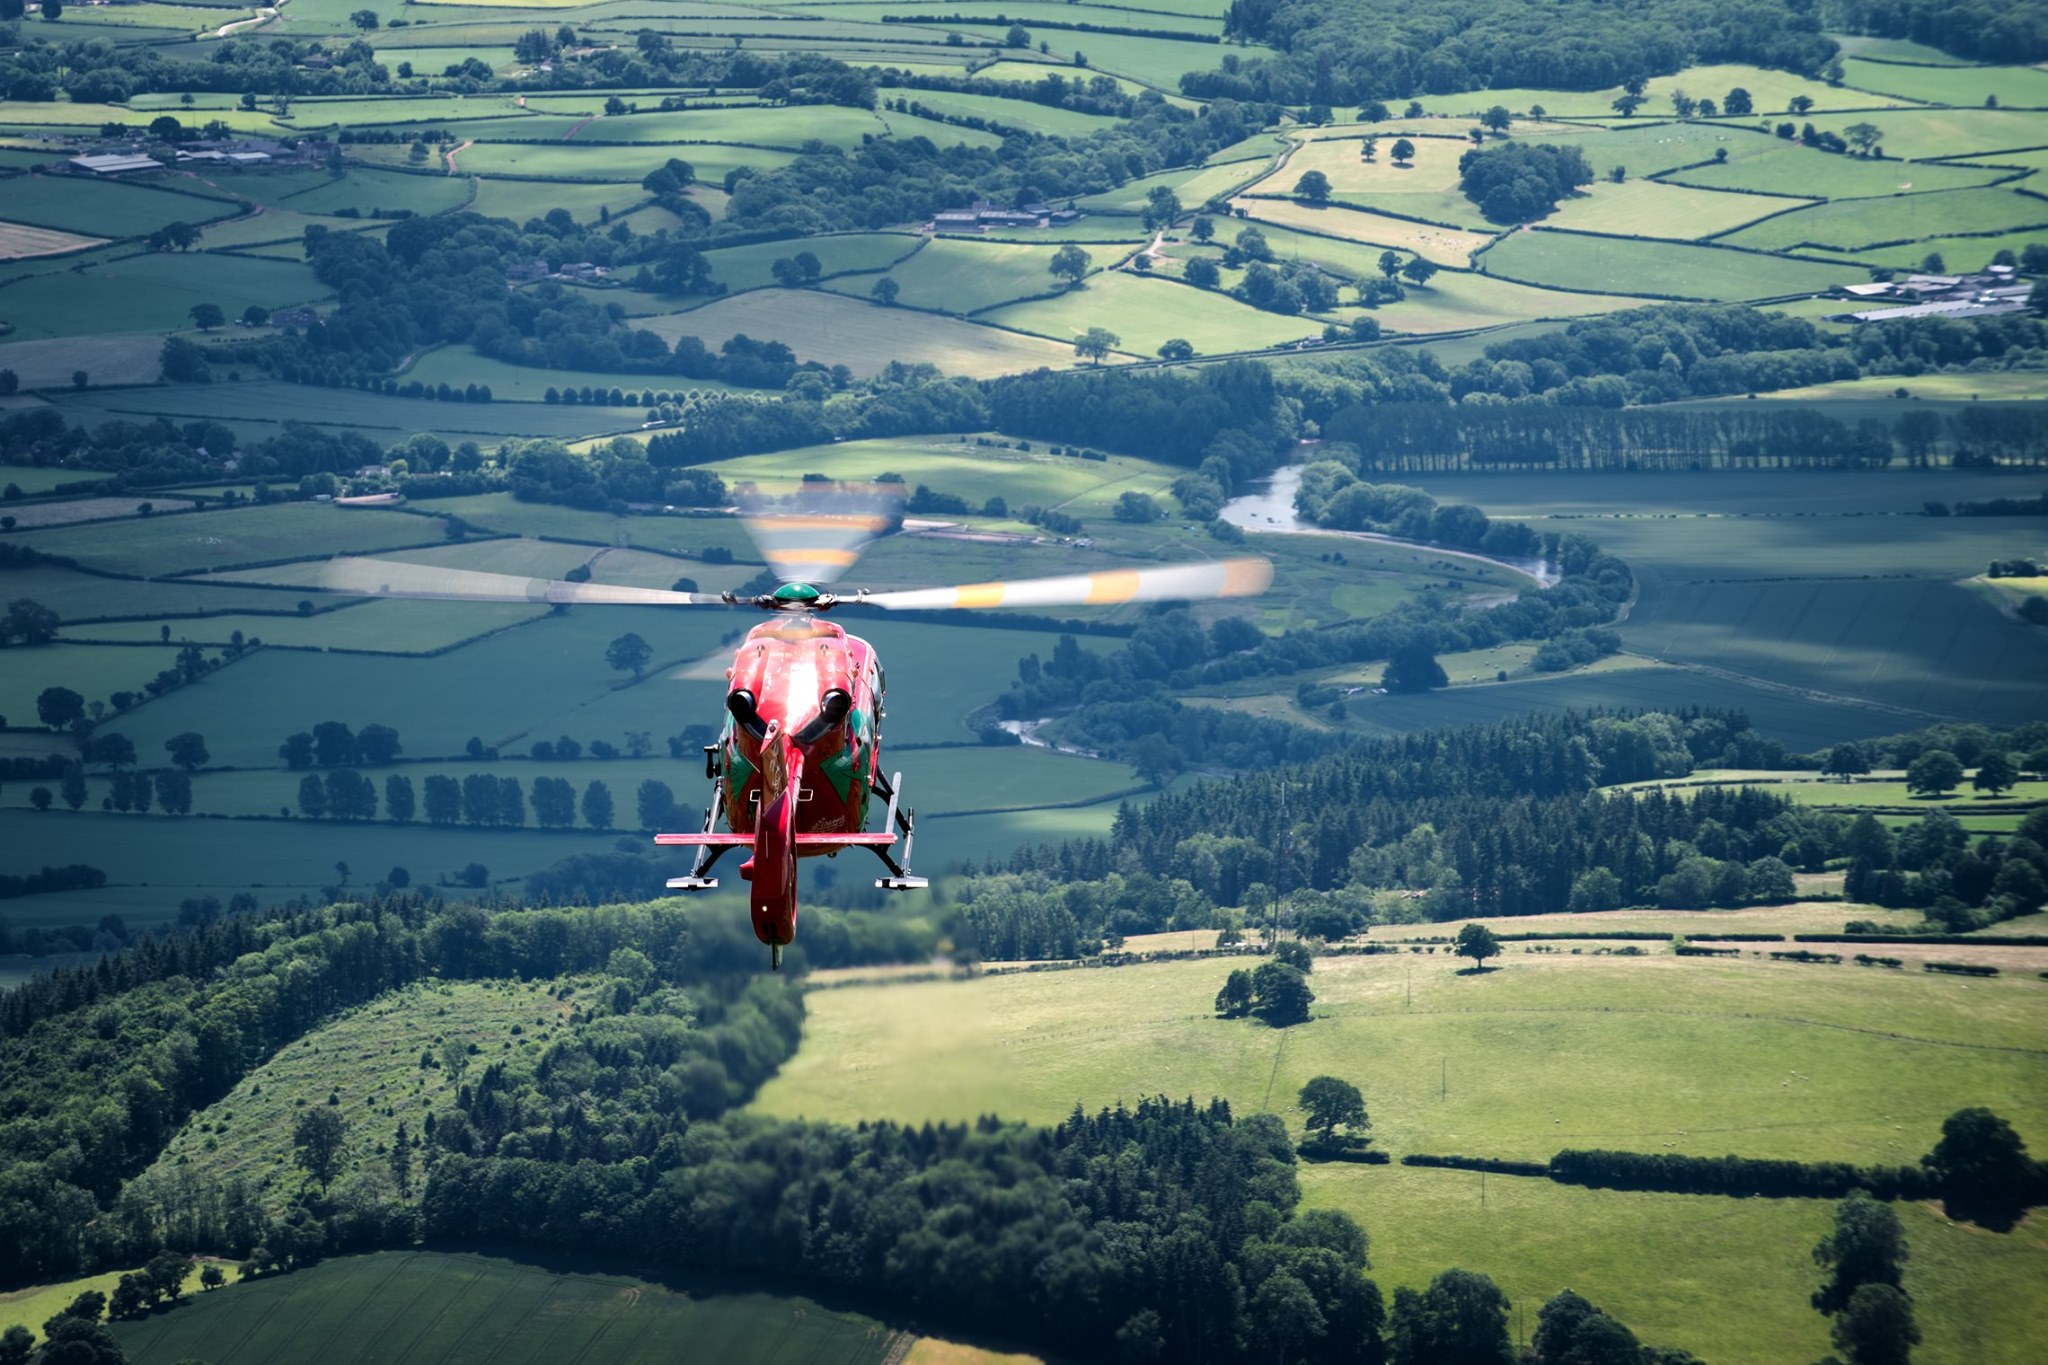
<point>1477,942</point>
<point>1330,1101</point>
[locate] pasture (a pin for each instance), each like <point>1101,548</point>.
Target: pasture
<point>1918,133</point>
<point>67,204</point>
<point>1446,246</point>
<point>1147,312</point>
<point>1863,223</point>
<point>374,627</point>
<point>1794,171</point>
<point>750,267</point>
<point>368,191</point>
<point>2021,87</point>
<point>440,1308</point>
<point>863,336</point>
<point>93,673</point>
<point>1455,300</point>
<point>613,162</point>
<point>262,407</point>
<point>1656,1053</point>
<point>196,541</point>
<point>976,473</point>
<point>1567,260</point>
<point>50,363</point>
<point>151,293</point>
<point>964,276</point>
<point>1652,208</point>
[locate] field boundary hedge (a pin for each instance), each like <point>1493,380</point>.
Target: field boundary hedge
<point>1489,1164</point>
<point>1950,940</point>
<point>1740,1177</point>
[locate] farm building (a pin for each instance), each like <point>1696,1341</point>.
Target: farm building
<point>981,216</point>
<point>226,158</point>
<point>110,164</point>
<point>1991,291</point>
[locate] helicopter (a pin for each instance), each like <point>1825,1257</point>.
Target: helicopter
<point>798,761</point>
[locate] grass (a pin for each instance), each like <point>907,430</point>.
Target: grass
<point>151,293</point>
<point>1769,90</point>
<point>1146,312</point>
<point>1748,1056</point>
<point>1790,169</point>
<point>751,266</point>
<point>965,276</point>
<point>50,363</point>
<point>1804,917</point>
<point>1455,300</point>
<point>1862,223</point>
<point>2012,86</point>
<point>1446,246</point>
<point>77,510</point>
<point>210,540</point>
<point>976,473</point>
<point>460,366</point>
<point>93,672</point>
<point>17,241</point>
<point>520,201</point>
<point>1959,253</point>
<point>379,627</point>
<point>37,1304</point>
<point>370,190</point>
<point>1008,113</point>
<point>1651,208</point>
<point>1944,132</point>
<point>1194,188</point>
<point>370,1058</point>
<point>615,162</point>
<point>788,127</point>
<point>863,336</point>
<point>260,408</point>
<point>452,1309</point>
<point>77,596</point>
<point>109,208</point>
<point>1572,261</point>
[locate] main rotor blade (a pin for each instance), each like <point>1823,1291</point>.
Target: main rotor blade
<point>388,578</point>
<point>813,534</point>
<point>1222,578</point>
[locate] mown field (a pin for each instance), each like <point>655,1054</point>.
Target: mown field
<point>1646,1054</point>
<point>450,1309</point>
<point>1622,265</point>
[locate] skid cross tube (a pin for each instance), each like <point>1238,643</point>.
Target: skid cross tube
<point>707,854</point>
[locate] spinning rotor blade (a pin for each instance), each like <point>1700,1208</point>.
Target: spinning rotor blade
<point>387,578</point>
<point>1223,578</point>
<point>814,534</point>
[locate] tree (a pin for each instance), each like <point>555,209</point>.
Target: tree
<point>1626,105</point>
<point>1933,773</point>
<point>1176,348</point>
<point>1202,229</point>
<point>1201,272</point>
<point>1413,668</point>
<point>377,745</point>
<point>597,806</point>
<point>53,10</point>
<point>74,1341</point>
<point>364,19</point>
<point>1995,773</point>
<point>1933,264</point>
<point>312,796</point>
<point>1876,1327</point>
<point>1497,118</point>
<point>1863,136</point>
<point>1070,263</point>
<point>1234,1001</point>
<point>71,785</point>
<point>188,750</point>
<point>1390,263</point>
<point>1866,1246</point>
<point>59,707</point>
<point>1980,1159</point>
<point>1418,271</point>
<point>1280,994</point>
<point>656,803</point>
<point>629,654</point>
<point>1404,151</point>
<point>211,1276</point>
<point>1313,186</point>
<point>1799,104</point>
<point>1017,37</point>
<point>1328,1101</point>
<point>1461,1319</point>
<point>401,1162</point>
<point>885,291</point>
<point>1096,343</point>
<point>319,1139</point>
<point>1845,761</point>
<point>1477,942</point>
<point>1737,103</point>
<point>29,622</point>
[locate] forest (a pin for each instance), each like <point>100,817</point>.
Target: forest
<point>1345,52</point>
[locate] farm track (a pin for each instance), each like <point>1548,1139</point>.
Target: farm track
<point>450,155</point>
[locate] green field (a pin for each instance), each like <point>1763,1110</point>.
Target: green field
<point>93,673</point>
<point>151,293</point>
<point>259,409</point>
<point>111,209</point>
<point>965,276</point>
<point>976,473</point>
<point>2013,86</point>
<point>1651,208</point>
<point>370,190</point>
<point>370,1058</point>
<point>1571,261</point>
<point>1701,1066</point>
<point>50,363</point>
<point>1455,300</point>
<point>1447,246</point>
<point>1025,114</point>
<point>251,535</point>
<point>1861,223</point>
<point>447,1309</point>
<point>863,336</point>
<point>379,627</point>
<point>1146,312</point>
<point>460,366</point>
<point>788,127</point>
<point>1793,170</point>
<point>616,162</point>
<point>751,267</point>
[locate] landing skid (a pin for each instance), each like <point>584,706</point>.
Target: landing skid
<point>899,878</point>
<point>707,854</point>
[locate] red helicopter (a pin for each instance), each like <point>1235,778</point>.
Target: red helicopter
<point>799,759</point>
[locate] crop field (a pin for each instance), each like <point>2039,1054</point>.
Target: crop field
<point>1146,312</point>
<point>75,510</point>
<point>1861,223</point>
<point>1652,208</point>
<point>212,540</point>
<point>108,209</point>
<point>1455,300</point>
<point>964,276</point>
<point>260,408</point>
<point>18,242</point>
<point>1880,1062</point>
<point>84,597</point>
<point>443,1309</point>
<point>1446,246</point>
<point>1565,260</point>
<point>370,1058</point>
<point>370,190</point>
<point>151,293</point>
<point>863,336</point>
